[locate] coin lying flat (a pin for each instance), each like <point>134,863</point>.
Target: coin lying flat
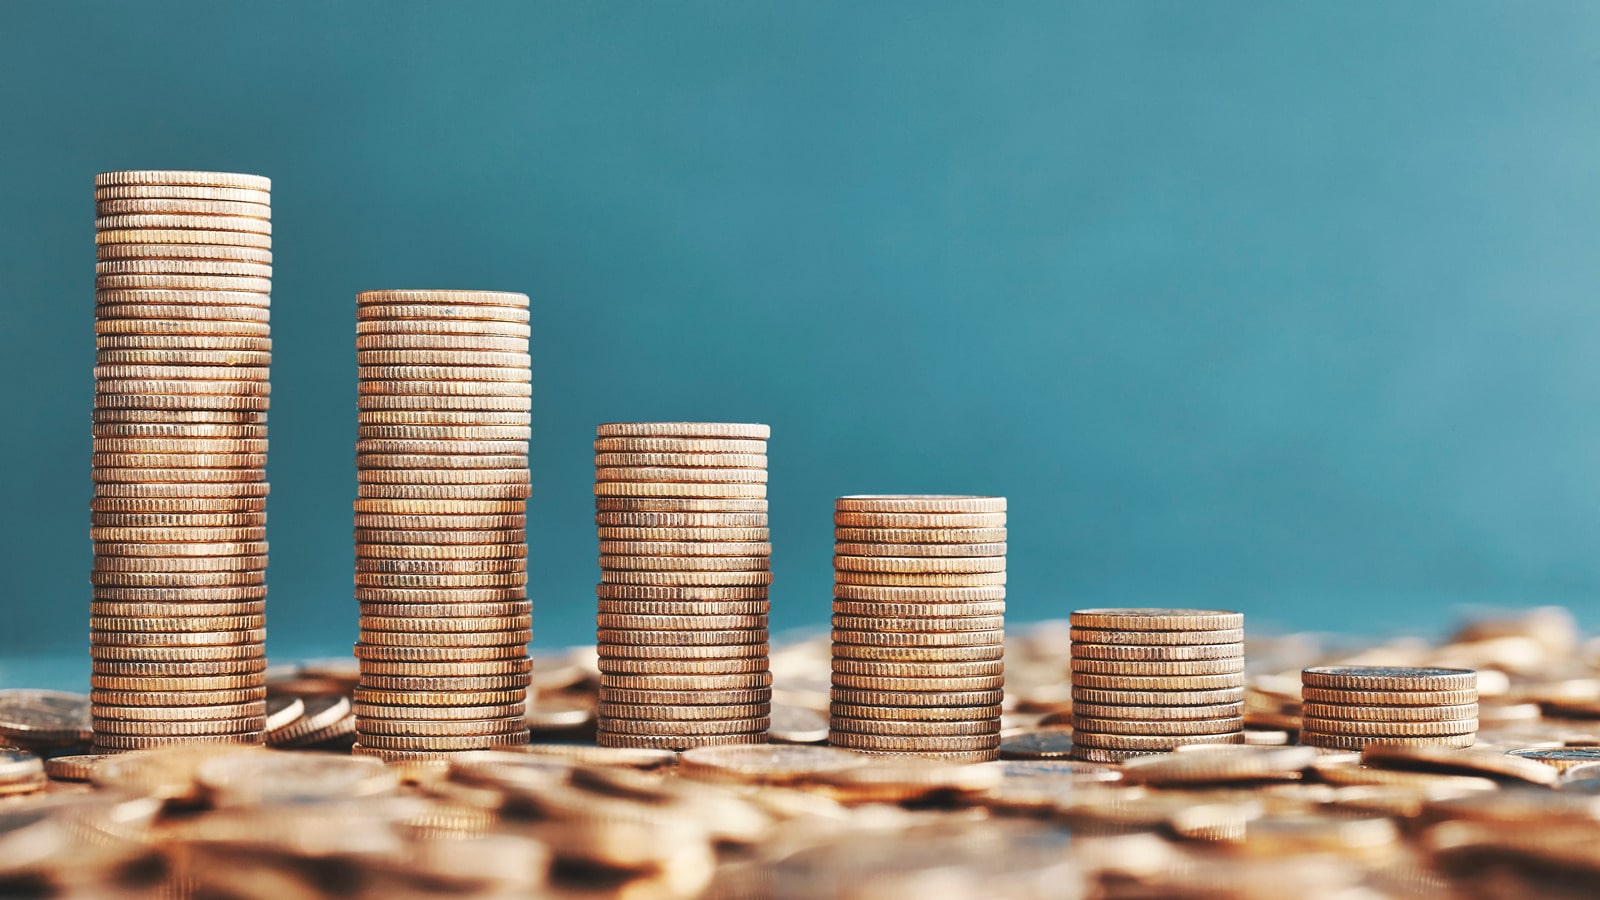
<point>1389,678</point>
<point>34,718</point>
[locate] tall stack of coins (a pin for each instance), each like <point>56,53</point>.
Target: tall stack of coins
<point>919,625</point>
<point>1152,680</point>
<point>441,552</point>
<point>681,512</point>
<point>1349,707</point>
<point>180,444</point>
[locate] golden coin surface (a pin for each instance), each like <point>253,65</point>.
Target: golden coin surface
<point>682,665</point>
<point>162,221</point>
<point>664,475</point>
<point>1389,678</point>
<point>731,697</point>
<point>492,492</point>
<point>370,540</point>
<point>165,729</point>
<point>1156,653</point>
<point>928,624</point>
<point>680,637</point>
<point>163,325</point>
<point>73,768</point>
<point>181,206</point>
<point>443,698</point>
<point>455,374</point>
<point>918,520</point>
<point>676,461</point>
<point>178,684</point>
<point>919,503</point>
<point>420,552</point>
<point>678,505</point>
<point>1152,742</point>
<point>182,595</point>
<point>512,523</point>
<point>442,507</point>
<point>176,579</point>
<point>913,744</point>
<point>176,610</point>
<point>443,325</point>
<point>691,448</point>
<point>450,297</point>
<point>1389,729</point>
<point>1156,727</point>
<point>1156,682</point>
<point>447,358</point>
<point>666,578</point>
<point>176,446</point>
<point>445,639</point>
<point>1156,619</point>
<point>177,640</point>
<point>680,593</point>
<point>386,446</point>
<point>447,685</point>
<point>161,700</point>
<point>918,669</point>
<point>698,430</point>
<point>1390,713</point>
<point>917,713</point>
<point>410,462</point>
<point>680,489</point>
<point>944,684</point>
<point>183,417</point>
<point>460,404</point>
<point>1145,667</point>
<point>504,653</point>
<point>443,566</point>
<point>150,235</point>
<point>439,582</point>
<point>688,681</point>
<point>178,431</point>
<point>187,250</point>
<point>1219,766</point>
<point>177,624</point>
<point>855,551</point>
<point>146,520</point>
<point>451,719</point>
<point>427,394</point>
<point>474,432</point>
<point>683,713</point>
<point>127,177</point>
<point>106,563</point>
<point>164,490</point>
<point>440,595</point>
<point>671,623</point>
<point>118,712</point>
<point>250,534</point>
<point>176,282</point>
<point>706,523</point>
<point>185,267</point>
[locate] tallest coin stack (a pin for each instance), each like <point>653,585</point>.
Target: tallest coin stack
<point>180,439</point>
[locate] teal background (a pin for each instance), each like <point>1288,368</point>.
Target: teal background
<point>1285,307</point>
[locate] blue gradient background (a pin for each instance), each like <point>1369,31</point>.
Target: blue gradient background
<point>1285,307</point>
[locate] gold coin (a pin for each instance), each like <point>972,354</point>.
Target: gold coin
<point>1390,729</point>
<point>176,639</point>
<point>442,743</point>
<point>234,549</point>
<point>919,503</point>
<point>710,522</point>
<point>104,741</point>
<point>691,448</point>
<point>913,744</point>
<point>687,682</point>
<point>468,612</point>
<point>680,593</point>
<point>239,387</point>
<point>163,221</point>
<point>902,594</point>
<point>1156,682</point>
<point>191,476</point>
<point>442,566</point>
<point>699,430</point>
<point>160,700</point>
<point>443,325</point>
<point>450,297</point>
<point>944,684</point>
<point>176,579</point>
<point>680,578</point>
<point>177,623</point>
<point>442,507</point>
<point>235,593</point>
<point>914,728</point>
<point>178,460</point>
<point>72,768</point>
<point>919,639</point>
<point>1156,619</point>
<point>446,522</point>
<point>178,535</point>
<point>420,704</point>
<point>1358,742</point>
<point>472,343</point>
<point>685,563</point>
<point>368,726</point>
<point>445,639</point>
<point>1389,678</point>
<point>183,372</point>
<point>636,540</point>
<point>370,540</point>
<point>677,742</point>
<point>179,714</point>
<point>185,267</point>
<point>181,206</point>
<point>152,235</point>
<point>919,520</point>
<point>678,666</point>
<point>504,550</point>
<point>220,252</point>
<point>1157,653</point>
<point>502,491</point>
<point>511,650</point>
<point>993,608</point>
<point>920,565</point>
<point>126,177</point>
<point>441,595</point>
<point>683,713</point>
<point>1144,667</point>
<point>906,536</point>
<point>931,624</point>
<point>679,490</point>
<point>696,621</point>
<point>374,685</point>
<point>982,652</point>
<point>680,638</point>
<point>843,550</point>
<point>916,699</point>
<point>1157,727</point>
<point>1390,713</point>
<point>681,476</point>
<point>156,325</point>
<point>1151,742</point>
<point>869,667</point>
<point>684,727</point>
<point>461,403</point>
<point>679,505</point>
<point>176,610</point>
<point>254,195</point>
<point>181,509</point>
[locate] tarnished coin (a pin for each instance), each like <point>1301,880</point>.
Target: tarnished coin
<point>1377,698</point>
<point>1389,678</point>
<point>35,718</point>
<point>1157,619</point>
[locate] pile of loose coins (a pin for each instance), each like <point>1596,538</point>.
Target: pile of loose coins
<point>681,512</point>
<point>441,551</point>
<point>184,277</point>
<point>1152,680</point>
<point>1349,707</point>
<point>919,625</point>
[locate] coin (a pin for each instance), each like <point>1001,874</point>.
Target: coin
<point>35,718</point>
<point>950,683</point>
<point>477,641</point>
<point>1156,619</point>
<point>1358,742</point>
<point>189,206</point>
<point>254,195</point>
<point>610,504</point>
<point>941,699</point>
<point>918,521</point>
<point>1561,759</point>
<point>1156,683</point>
<point>993,650</point>
<point>1221,765</point>
<point>257,779</point>
<point>890,594</point>
<point>1451,760</point>
<point>689,681</point>
<point>1389,678</point>
<point>1126,712</point>
<point>1390,713</point>
<point>1165,652</point>
<point>176,177</point>
<point>907,743</point>
<point>696,430</point>
<point>449,668</point>
<point>1146,667</point>
<point>915,728</point>
<point>953,624</point>
<point>916,713</point>
<point>451,685</point>
<point>421,625</point>
<point>677,742</point>
<point>1390,729</point>
<point>1223,725</point>
<point>920,565</point>
<point>443,743</point>
<point>923,503</point>
<point>73,768</point>
<point>683,728</point>
<point>1151,742</point>
<point>113,711</point>
<point>449,655</point>
<point>921,639</point>
<point>911,537</point>
<point>680,665</point>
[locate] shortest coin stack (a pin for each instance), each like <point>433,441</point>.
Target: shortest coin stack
<point>1349,707</point>
<point>919,625</point>
<point>1151,680</point>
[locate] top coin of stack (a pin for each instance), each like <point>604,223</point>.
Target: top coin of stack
<point>1152,680</point>
<point>919,625</point>
<point>184,275</point>
<point>441,552</point>
<point>1349,707</point>
<point>681,512</point>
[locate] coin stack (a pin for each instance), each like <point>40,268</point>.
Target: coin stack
<point>184,277</point>
<point>1152,680</point>
<point>919,625</point>
<point>1349,707</point>
<point>441,552</point>
<point>681,512</point>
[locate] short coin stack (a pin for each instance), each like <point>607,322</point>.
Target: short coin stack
<point>180,442</point>
<point>919,625</point>
<point>441,551</point>
<point>1349,707</point>
<point>1152,680</point>
<point>681,512</point>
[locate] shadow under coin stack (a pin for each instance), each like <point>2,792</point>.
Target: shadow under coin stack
<point>441,545</point>
<point>681,512</point>
<point>919,625</point>
<point>1349,707</point>
<point>1152,680</point>
<point>180,442</point>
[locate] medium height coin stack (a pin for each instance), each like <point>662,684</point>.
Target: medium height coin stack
<point>681,512</point>
<point>184,275</point>
<point>441,546</point>
<point>1152,680</point>
<point>1349,707</point>
<point>919,625</point>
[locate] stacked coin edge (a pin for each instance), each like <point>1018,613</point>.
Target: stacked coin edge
<point>1347,708</point>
